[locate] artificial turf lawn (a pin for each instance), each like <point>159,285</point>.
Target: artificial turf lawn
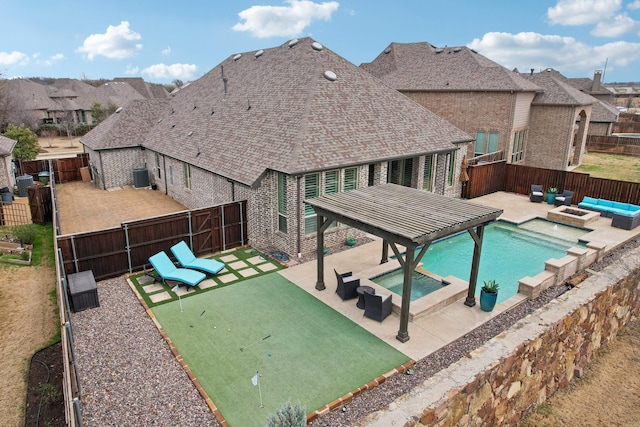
<point>313,355</point>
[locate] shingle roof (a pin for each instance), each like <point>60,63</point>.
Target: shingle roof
<point>557,91</point>
<point>277,110</point>
<point>423,67</point>
<point>127,128</point>
<point>6,146</point>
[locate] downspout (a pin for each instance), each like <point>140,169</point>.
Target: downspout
<point>104,185</point>
<point>298,216</point>
<point>164,170</point>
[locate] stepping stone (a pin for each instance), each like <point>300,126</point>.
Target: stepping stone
<point>160,297</point>
<point>207,283</point>
<point>257,260</point>
<point>227,278</point>
<point>248,272</point>
<point>267,267</point>
<point>184,290</point>
<point>149,289</point>
<point>143,280</point>
<point>237,265</point>
<point>228,258</point>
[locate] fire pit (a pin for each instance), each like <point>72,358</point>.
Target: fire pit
<point>570,215</point>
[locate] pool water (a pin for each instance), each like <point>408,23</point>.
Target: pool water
<point>509,252</point>
<point>421,284</point>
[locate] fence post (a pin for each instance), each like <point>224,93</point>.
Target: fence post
<point>75,256</point>
<point>190,229</point>
<point>128,247</point>
<point>224,242</point>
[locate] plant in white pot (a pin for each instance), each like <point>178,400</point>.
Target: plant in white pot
<point>489,295</point>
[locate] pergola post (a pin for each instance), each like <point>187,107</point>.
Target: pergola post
<point>322,224</point>
<point>408,264</point>
<point>475,265</point>
<point>385,252</point>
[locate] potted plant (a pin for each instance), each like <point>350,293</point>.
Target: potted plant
<point>551,195</point>
<point>489,295</point>
<point>350,241</point>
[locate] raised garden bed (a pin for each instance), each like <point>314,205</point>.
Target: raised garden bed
<point>14,253</point>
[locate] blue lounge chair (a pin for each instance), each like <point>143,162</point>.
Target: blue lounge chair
<point>168,271</point>
<point>187,259</point>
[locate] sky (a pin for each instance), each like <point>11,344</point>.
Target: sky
<point>166,41</point>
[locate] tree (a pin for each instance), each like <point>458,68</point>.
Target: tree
<point>97,112</point>
<point>27,147</point>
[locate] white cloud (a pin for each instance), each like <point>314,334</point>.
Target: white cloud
<point>166,51</point>
<point>635,4</point>
<point>582,12</point>
<point>52,59</point>
<point>173,71</point>
<point>283,21</point>
<point>616,27</point>
<point>525,51</point>
<point>12,58</point>
<point>118,42</point>
<point>131,70</point>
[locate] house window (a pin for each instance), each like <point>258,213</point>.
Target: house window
<point>282,202</point>
<point>401,172</point>
<point>452,168</point>
<point>350,179</point>
<point>331,182</point>
<point>187,175</point>
<point>158,165</point>
<point>372,175</point>
<point>427,182</point>
<point>486,142</point>
<point>311,190</point>
<point>517,152</point>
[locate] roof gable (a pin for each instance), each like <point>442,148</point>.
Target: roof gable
<point>6,146</point>
<point>276,109</point>
<point>424,67</point>
<point>557,91</point>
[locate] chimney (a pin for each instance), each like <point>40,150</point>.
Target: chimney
<point>531,72</point>
<point>597,75</point>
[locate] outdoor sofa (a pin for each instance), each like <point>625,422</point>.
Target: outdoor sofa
<point>624,215</point>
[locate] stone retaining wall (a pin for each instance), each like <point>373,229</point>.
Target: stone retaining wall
<point>499,383</point>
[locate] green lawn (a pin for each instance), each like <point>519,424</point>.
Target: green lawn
<point>312,354</point>
<point>611,166</point>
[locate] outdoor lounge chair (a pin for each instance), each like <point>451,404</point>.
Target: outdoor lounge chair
<point>564,198</point>
<point>537,193</point>
<point>376,306</point>
<point>166,270</point>
<point>347,285</point>
<point>187,259</point>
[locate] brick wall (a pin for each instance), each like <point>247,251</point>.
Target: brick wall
<point>499,383</point>
<point>550,137</point>
<point>5,168</point>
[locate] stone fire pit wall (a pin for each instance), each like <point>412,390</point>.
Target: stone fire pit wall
<point>501,381</point>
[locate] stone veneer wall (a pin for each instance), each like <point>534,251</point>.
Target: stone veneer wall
<point>501,382</point>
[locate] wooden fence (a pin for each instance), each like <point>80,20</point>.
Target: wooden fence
<point>499,176</point>
<point>613,144</point>
<point>64,170</point>
<point>125,249</point>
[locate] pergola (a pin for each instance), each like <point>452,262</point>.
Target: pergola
<point>407,217</point>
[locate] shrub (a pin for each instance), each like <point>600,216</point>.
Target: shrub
<point>26,233</point>
<point>289,416</point>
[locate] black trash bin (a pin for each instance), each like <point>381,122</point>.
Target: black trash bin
<point>6,195</point>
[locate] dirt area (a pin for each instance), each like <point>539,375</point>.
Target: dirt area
<point>27,323</point>
<point>100,209</point>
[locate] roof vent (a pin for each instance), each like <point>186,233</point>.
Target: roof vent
<point>330,75</point>
<point>159,120</point>
<point>439,50</point>
<point>457,49</point>
<point>259,53</point>
<point>190,133</point>
<point>118,109</point>
<point>238,56</point>
<point>293,42</point>
<point>387,50</point>
<point>317,46</point>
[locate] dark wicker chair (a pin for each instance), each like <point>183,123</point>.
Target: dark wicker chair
<point>537,193</point>
<point>564,198</point>
<point>376,306</point>
<point>347,285</point>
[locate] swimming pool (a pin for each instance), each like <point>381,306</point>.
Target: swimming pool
<point>421,284</point>
<point>509,252</point>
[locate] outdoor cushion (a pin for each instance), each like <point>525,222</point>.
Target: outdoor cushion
<point>622,206</point>
<point>187,259</point>
<point>168,271</point>
<point>589,200</point>
<point>605,203</point>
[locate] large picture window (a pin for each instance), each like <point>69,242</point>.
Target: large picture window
<point>517,151</point>
<point>186,167</point>
<point>486,142</point>
<point>401,172</point>
<point>282,202</point>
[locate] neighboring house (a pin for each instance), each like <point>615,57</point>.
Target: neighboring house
<point>559,120</point>
<point>7,178</point>
<point>467,89</point>
<point>276,127</point>
<point>69,102</point>
<point>626,95</point>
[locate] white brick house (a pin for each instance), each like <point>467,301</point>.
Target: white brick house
<point>274,127</point>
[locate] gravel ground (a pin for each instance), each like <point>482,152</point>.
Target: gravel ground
<point>129,377</point>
